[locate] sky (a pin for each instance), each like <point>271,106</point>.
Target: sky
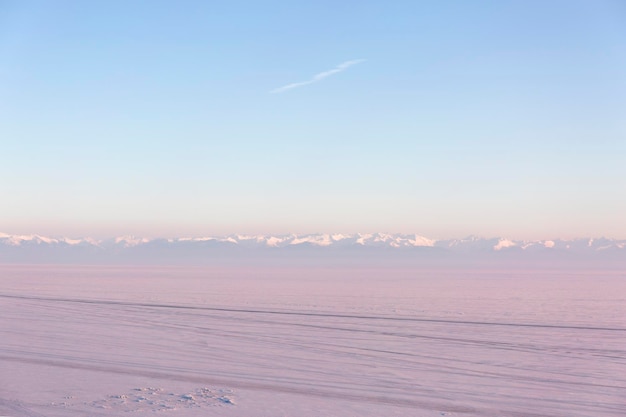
<point>192,118</point>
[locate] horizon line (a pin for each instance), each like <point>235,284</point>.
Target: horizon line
<point>4,235</point>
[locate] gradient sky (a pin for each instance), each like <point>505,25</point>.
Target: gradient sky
<point>163,118</point>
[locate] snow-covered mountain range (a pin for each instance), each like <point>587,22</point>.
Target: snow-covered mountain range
<point>380,240</point>
<point>363,248</point>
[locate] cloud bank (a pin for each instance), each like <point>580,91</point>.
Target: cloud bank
<point>318,77</point>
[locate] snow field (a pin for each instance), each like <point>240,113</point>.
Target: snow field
<point>306,342</point>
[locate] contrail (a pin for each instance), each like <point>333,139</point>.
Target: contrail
<point>318,77</point>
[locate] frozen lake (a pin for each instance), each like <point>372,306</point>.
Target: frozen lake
<point>107,341</point>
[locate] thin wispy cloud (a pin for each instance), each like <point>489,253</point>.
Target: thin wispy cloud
<point>318,77</point>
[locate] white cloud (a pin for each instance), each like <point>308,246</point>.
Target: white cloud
<point>318,77</point>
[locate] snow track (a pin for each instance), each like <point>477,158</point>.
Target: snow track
<point>66,353</point>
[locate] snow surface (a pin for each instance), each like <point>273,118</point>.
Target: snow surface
<point>114,341</point>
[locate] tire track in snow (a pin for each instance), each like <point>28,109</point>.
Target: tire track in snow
<point>308,314</point>
<point>16,409</point>
<point>312,391</point>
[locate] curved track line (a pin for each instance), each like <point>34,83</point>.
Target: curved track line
<point>307,314</point>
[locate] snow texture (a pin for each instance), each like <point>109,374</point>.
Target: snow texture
<point>116,341</point>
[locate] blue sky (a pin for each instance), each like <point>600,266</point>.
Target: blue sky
<point>161,118</point>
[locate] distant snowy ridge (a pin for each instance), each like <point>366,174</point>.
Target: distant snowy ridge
<point>380,240</point>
